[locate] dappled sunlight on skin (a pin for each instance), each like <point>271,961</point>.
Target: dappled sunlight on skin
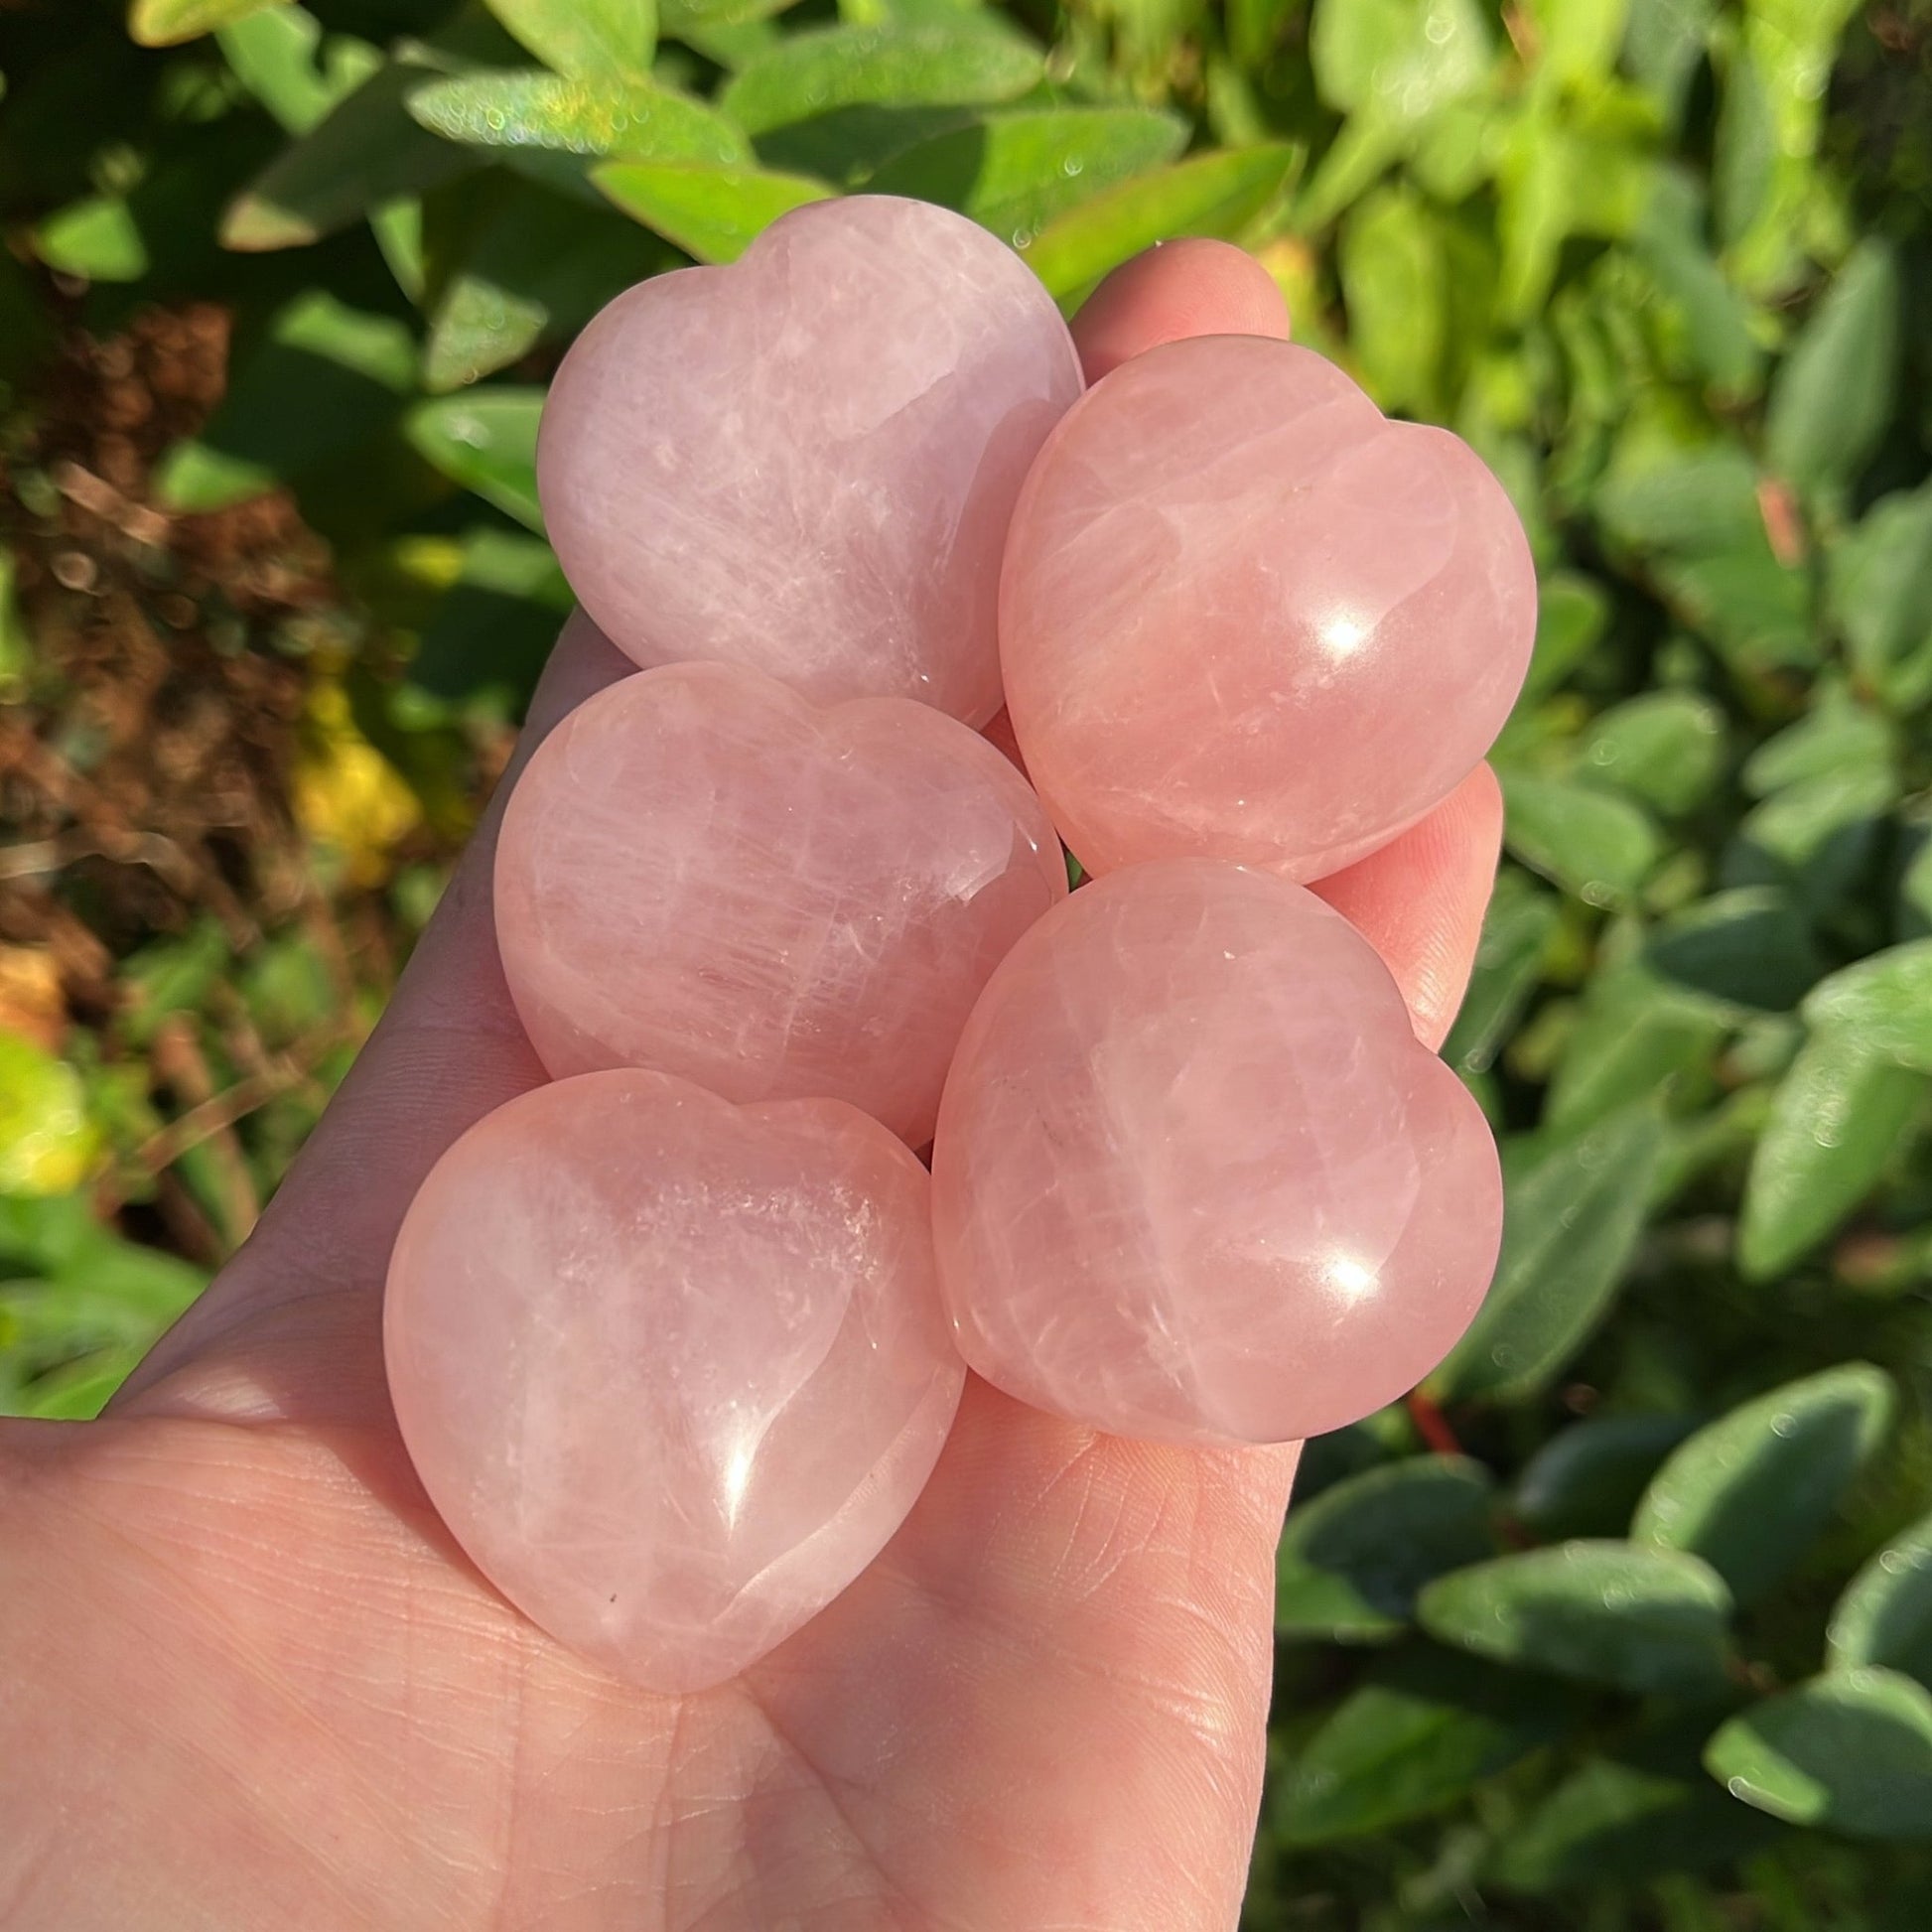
<point>250,1681</point>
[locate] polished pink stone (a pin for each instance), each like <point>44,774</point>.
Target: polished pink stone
<point>701,872</point>
<point>806,462</point>
<point>1196,1178</point>
<point>671,1371</point>
<point>1245,615</point>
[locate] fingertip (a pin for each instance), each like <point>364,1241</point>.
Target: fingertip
<point>1420,900</point>
<point>1174,290</point>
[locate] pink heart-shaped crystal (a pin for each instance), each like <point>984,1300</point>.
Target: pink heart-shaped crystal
<point>1196,1178</point>
<point>671,1371</point>
<point>806,462</point>
<point>1244,616</point>
<point>704,873</point>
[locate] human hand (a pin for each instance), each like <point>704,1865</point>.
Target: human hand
<point>251,1681</point>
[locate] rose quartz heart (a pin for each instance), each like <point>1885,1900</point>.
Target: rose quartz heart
<point>1196,1178</point>
<point>704,873</point>
<point>806,462</point>
<point>1245,615</point>
<point>671,1371</point>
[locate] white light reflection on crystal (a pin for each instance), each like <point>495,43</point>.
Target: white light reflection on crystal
<point>737,1475</point>
<point>1348,1278</point>
<point>1343,634</point>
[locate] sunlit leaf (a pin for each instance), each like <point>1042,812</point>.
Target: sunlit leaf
<point>1750,1491</point>
<point>937,62</point>
<point>1849,1752</point>
<point>1209,195</point>
<point>1013,171</point>
<point>1351,1560</point>
<point>713,214</point>
<point>485,439</point>
<point>1419,1735</point>
<point>1574,1212</point>
<point>165,23</point>
<point>575,116</point>
<point>593,40</point>
<point>1641,1619</point>
<point>1836,1123</point>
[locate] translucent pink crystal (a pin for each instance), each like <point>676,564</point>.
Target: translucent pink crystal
<point>806,462</point>
<point>671,1371</point>
<point>704,873</point>
<point>1245,615</point>
<point>1196,1178</point>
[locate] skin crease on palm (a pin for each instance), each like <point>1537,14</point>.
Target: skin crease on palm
<point>250,1681</point>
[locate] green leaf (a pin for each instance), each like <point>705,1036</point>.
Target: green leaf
<point>1559,179</point>
<point>485,439</point>
<point>1880,595</point>
<point>1834,393</point>
<point>602,117</point>
<point>1398,60</point>
<point>1663,42</point>
<point>1744,168</point>
<point>1836,734</point>
<point>326,380</point>
<point>1747,948</point>
<point>1576,40</point>
<point>1636,1037</point>
<point>1717,330</point>
<point>1415,1737</point>
<point>1651,1621</point>
<point>279,56</point>
<point>1756,611</point>
<point>1693,502</point>
<point>47,1142</point>
<point>1574,1213</point>
<point>589,40</point>
<point>365,152</point>
<point>1516,934</point>
<point>1884,1617</point>
<point>1012,172</point>
<point>1790,47</point>
<point>1393,279</point>
<point>1394,66</point>
<point>712,214</point>
<point>510,262</point>
<point>1612,1824</point>
<point>97,238</point>
<point>167,23</point>
<point>1849,1752</point>
<point>1750,1491</point>
<point>1571,618</point>
<point>1594,843</point>
<point>491,634</point>
<point>1837,1121</point>
<point>1884,1004</point>
<point>1586,1479</point>
<point>78,1391</point>
<point>937,62</point>
<point>1209,195</point>
<point>1817,837</point>
<point>1666,748</point>
<point>1351,1560</point>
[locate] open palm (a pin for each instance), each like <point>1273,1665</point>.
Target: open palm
<point>247,1678</point>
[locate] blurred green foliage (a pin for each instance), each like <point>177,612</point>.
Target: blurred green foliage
<point>1625,1620</point>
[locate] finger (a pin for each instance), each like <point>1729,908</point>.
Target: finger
<point>449,1049</point>
<point>1420,900</point>
<point>1176,290</point>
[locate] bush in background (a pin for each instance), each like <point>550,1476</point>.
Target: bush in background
<point>1625,1620</point>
